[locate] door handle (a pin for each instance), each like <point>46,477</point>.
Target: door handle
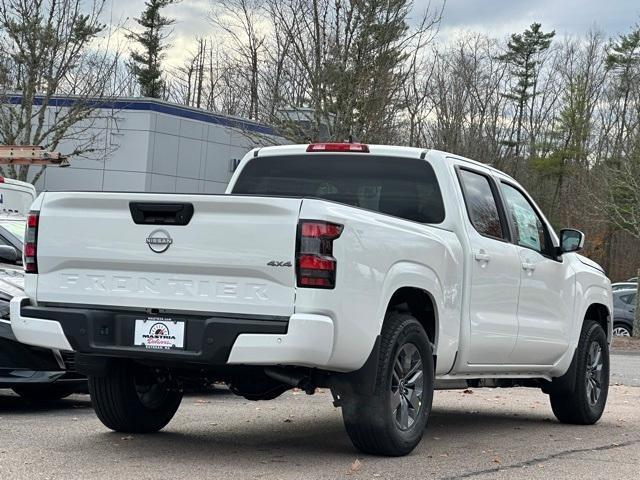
<point>528,267</point>
<point>481,256</point>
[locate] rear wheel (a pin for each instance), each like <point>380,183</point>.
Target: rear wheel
<point>585,405</point>
<point>133,400</point>
<point>45,393</point>
<point>392,420</point>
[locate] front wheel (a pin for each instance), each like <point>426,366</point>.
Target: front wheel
<point>621,330</point>
<point>131,399</point>
<point>585,404</point>
<point>392,420</point>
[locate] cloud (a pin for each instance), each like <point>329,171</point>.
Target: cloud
<point>566,17</point>
<point>499,18</point>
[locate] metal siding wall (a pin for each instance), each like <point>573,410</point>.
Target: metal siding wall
<point>156,152</point>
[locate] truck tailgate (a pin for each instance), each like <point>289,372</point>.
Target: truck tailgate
<point>91,252</point>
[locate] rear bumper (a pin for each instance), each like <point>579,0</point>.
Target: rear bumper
<point>215,339</point>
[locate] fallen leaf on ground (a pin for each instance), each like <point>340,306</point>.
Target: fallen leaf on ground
<point>355,466</point>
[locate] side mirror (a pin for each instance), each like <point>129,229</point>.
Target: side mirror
<point>571,240</point>
<point>8,254</point>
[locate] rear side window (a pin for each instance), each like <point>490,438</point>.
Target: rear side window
<point>402,187</point>
<point>481,204</point>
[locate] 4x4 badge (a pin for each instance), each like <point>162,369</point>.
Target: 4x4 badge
<point>274,263</point>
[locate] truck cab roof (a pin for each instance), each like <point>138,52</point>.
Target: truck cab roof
<point>378,150</point>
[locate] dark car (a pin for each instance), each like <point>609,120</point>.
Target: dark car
<point>36,373</point>
<point>624,310</point>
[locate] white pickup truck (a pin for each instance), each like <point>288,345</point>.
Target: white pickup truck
<point>374,271</point>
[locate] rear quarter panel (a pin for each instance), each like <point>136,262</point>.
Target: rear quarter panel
<point>376,255</point>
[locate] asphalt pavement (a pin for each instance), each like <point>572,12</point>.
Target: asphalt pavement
<point>625,369</point>
<point>486,434</point>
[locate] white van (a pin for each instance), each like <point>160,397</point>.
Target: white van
<point>16,196</point>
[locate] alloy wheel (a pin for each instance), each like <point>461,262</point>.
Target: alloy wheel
<point>595,363</point>
<point>621,332</point>
<point>152,394</point>
<point>407,386</point>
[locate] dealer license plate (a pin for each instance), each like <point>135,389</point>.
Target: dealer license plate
<point>159,333</point>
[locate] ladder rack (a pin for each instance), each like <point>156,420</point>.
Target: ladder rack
<point>31,155</point>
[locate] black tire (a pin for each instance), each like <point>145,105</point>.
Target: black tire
<point>580,407</point>
<point>45,393</point>
<point>371,423</point>
<point>125,404</point>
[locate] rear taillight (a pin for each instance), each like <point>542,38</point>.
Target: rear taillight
<point>315,265</point>
<point>30,248</point>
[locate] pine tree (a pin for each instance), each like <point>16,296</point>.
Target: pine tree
<point>363,72</point>
<point>623,61</point>
<point>623,165</point>
<point>147,64</point>
<point>523,56</point>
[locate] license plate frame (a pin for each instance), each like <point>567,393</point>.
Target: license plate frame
<point>159,333</point>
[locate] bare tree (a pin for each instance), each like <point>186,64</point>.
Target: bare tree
<point>240,20</point>
<point>46,50</point>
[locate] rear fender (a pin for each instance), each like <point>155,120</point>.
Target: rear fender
<point>445,302</point>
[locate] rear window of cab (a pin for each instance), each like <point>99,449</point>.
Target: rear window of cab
<point>402,187</point>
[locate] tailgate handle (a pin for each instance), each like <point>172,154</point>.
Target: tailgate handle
<point>161,213</point>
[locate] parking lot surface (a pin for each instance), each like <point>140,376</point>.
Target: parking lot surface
<point>625,369</point>
<point>489,433</point>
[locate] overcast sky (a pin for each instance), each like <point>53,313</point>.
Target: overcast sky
<point>496,17</point>
<point>566,17</point>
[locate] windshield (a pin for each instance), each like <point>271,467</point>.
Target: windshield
<point>15,199</point>
<point>14,227</point>
<point>402,187</point>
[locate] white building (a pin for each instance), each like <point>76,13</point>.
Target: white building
<point>156,146</point>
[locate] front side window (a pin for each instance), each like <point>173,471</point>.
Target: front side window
<point>628,299</point>
<point>481,204</point>
<point>530,232</point>
<point>402,187</point>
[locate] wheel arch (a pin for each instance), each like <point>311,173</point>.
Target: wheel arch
<point>599,313</point>
<point>422,305</point>
<point>419,303</point>
<point>435,300</point>
<point>593,302</point>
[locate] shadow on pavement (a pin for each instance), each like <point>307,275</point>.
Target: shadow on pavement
<point>14,404</point>
<point>307,440</point>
